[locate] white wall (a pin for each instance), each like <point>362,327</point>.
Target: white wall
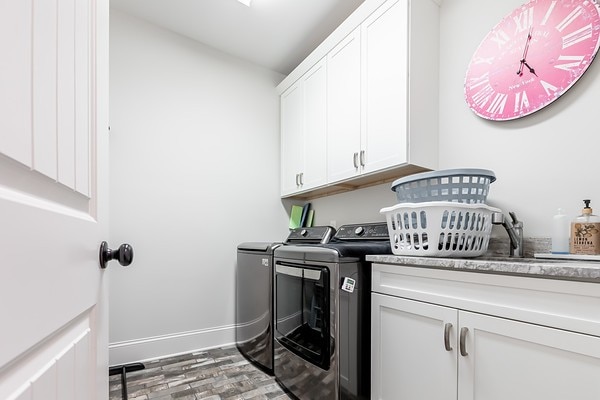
<point>544,161</point>
<point>194,171</point>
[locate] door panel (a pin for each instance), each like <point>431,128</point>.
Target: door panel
<point>343,108</point>
<point>314,165</point>
<point>519,361</point>
<point>15,81</point>
<point>385,70</point>
<point>410,360</point>
<point>292,137</point>
<point>44,80</point>
<point>53,157</point>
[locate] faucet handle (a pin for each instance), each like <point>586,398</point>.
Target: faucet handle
<point>514,218</point>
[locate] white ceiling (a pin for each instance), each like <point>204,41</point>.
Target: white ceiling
<point>276,34</point>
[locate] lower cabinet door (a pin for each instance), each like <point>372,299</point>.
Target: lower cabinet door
<point>414,350</point>
<point>513,360</point>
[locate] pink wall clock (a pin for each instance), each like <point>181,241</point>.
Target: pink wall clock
<point>532,57</point>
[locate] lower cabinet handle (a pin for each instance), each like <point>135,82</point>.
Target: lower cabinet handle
<point>362,158</point>
<point>355,160</point>
<point>447,329</point>
<point>462,344</point>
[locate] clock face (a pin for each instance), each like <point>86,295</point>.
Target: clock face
<point>533,56</point>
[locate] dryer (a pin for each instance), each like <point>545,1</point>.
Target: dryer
<point>254,293</point>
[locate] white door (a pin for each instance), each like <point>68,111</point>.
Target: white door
<point>314,163</point>
<point>292,138</point>
<point>507,359</point>
<point>413,349</point>
<point>384,69</point>
<point>343,109</point>
<point>53,199</point>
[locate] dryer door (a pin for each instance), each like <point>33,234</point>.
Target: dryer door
<point>302,309</point>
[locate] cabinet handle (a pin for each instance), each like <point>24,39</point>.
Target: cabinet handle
<point>447,328</point>
<point>297,176</point>
<point>362,158</point>
<point>301,178</point>
<point>355,160</point>
<point>463,338</point>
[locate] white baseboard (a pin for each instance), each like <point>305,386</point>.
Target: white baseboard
<point>137,350</point>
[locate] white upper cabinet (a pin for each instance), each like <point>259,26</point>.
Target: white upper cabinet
<point>381,112</point>
<point>343,108</point>
<point>385,80</point>
<point>292,137</point>
<point>303,132</point>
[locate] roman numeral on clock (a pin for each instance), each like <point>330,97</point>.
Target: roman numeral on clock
<point>478,81</point>
<point>498,103</point>
<point>548,13</point>
<point>483,95</point>
<point>569,19</point>
<point>548,87</point>
<point>500,38</point>
<point>575,62</point>
<point>577,36</point>
<point>521,101</point>
<point>524,20</point>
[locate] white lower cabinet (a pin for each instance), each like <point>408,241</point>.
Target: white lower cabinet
<point>514,360</point>
<point>424,351</point>
<point>409,360</point>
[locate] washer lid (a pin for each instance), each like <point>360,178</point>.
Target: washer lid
<point>307,253</point>
<point>258,247</point>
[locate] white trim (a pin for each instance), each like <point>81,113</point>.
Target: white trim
<point>154,347</point>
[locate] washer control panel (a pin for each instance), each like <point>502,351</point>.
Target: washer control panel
<point>315,234</point>
<point>368,231</point>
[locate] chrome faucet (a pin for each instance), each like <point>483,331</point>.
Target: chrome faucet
<point>514,230</point>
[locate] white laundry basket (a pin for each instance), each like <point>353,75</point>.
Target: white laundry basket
<point>439,228</point>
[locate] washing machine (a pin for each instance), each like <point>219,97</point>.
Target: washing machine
<point>254,293</point>
<point>322,323</point>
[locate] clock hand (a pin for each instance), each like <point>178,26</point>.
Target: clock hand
<point>525,50</point>
<point>520,71</point>
<point>530,69</point>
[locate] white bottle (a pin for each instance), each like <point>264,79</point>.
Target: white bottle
<point>560,233</point>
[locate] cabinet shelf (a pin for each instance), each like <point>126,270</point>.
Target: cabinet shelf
<point>350,184</point>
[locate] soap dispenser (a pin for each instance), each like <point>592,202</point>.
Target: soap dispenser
<point>585,232</point>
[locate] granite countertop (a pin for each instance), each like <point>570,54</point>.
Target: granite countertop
<point>586,271</point>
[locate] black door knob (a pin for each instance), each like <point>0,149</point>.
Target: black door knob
<point>124,254</point>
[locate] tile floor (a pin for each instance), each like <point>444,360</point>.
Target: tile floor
<point>216,374</point>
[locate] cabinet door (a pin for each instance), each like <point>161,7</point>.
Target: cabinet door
<point>314,171</point>
<point>292,137</point>
<point>519,361</point>
<point>343,108</point>
<point>408,353</point>
<point>384,38</point>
